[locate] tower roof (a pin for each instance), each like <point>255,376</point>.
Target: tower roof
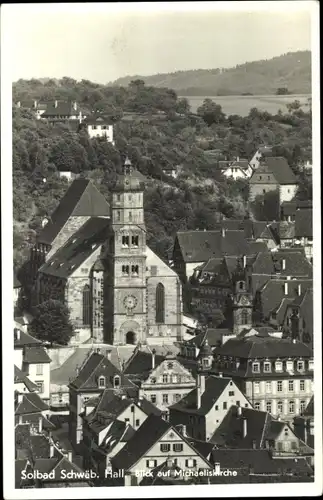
<point>131,179</point>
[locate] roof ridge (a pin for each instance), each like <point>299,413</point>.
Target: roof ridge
<point>94,368</point>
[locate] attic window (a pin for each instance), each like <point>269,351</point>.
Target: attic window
<point>116,381</point>
<point>101,382</point>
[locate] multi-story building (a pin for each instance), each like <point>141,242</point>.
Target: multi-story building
<point>304,231</point>
<point>298,319</point>
<point>117,289</point>
<point>154,442</point>
<point>98,126</point>
<point>276,375</point>
<point>166,381</point>
<point>261,153</point>
<point>97,375</point>
<point>273,174</point>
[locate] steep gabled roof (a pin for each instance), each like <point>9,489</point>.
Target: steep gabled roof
<point>36,355</point>
<point>63,108</point>
<point>31,403</point>
<point>199,246</point>
<point>98,365</point>
<point>140,363</point>
<point>214,387</point>
<point>146,436</point>
<point>81,199</point>
<point>279,167</point>
<point>273,291</point>
<point>21,377</point>
<point>78,248</point>
<point>23,339</point>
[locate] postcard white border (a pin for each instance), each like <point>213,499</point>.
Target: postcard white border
<point>242,490</point>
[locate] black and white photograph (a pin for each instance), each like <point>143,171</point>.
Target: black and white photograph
<point>161,249</point>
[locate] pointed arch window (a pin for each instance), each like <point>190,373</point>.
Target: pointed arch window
<point>160,303</point>
<point>86,306</point>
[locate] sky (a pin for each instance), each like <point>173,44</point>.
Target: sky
<point>102,42</point>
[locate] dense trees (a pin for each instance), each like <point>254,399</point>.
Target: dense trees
<point>155,129</point>
<point>51,323</point>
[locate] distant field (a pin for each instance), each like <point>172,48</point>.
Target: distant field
<point>241,105</point>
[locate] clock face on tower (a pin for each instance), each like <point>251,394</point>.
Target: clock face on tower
<point>130,302</point>
<point>244,301</point>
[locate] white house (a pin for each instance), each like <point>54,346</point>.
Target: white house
<point>238,169</point>
<point>36,364</point>
<point>99,126</point>
<point>259,154</point>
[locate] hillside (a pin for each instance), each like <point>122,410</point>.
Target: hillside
<point>291,70</point>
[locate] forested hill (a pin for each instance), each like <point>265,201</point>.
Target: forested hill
<point>291,71</point>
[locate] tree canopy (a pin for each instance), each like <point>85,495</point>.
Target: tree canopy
<point>51,323</point>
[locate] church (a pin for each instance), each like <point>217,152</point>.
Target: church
<point>93,257</point>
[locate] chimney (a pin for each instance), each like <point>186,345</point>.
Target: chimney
<point>56,104</point>
<point>286,288</point>
<point>283,264</point>
<point>244,261</point>
<point>200,389</point>
<point>51,450</point>
<point>299,289</point>
<point>69,456</point>
<point>108,354</point>
<point>35,104</point>
<point>153,355</point>
<point>239,411</point>
<point>223,232</point>
<point>220,374</point>
<point>40,424</point>
<point>244,427</point>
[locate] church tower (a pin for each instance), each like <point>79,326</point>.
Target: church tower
<point>126,289</point>
<point>242,308</point>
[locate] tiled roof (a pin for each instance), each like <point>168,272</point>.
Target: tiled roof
<point>36,355</point>
<point>257,461</point>
<point>78,248</point>
<point>63,108</point>
<point>304,223</point>
<point>22,377</point>
<point>243,164</point>
<point>163,475</point>
<point>280,310</point>
<point>97,119</point>
<point>98,365</point>
<point>81,199</point>
<point>273,292</point>
<point>305,304</point>
<point>309,410</point>
<point>214,387</point>
<point>38,445</point>
<point>296,263</point>
<point>213,335</point>
<point>20,466</point>
<point>31,403</point>
<point>146,436</point>
<point>199,246</point>
<point>263,347</point>
<point>33,418</point>
<point>23,339</point>
<point>278,166</point>
<point>140,363</point>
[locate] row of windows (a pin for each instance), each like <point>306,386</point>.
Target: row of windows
<point>290,365</point>
<point>126,270</point>
<point>137,422</point>
<point>118,216</point>
<point>102,381</point>
<point>279,385</point>
<point>166,398</point>
<point>191,462</point>
<point>280,406</point>
<point>126,241</point>
<point>170,379</point>
<point>129,197</point>
<point>166,447</point>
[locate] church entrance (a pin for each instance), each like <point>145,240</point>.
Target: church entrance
<point>130,338</point>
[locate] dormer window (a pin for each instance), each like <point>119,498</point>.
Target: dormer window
<point>116,381</point>
<point>311,364</point>
<point>255,367</point>
<point>267,367</point>
<point>279,366</point>
<point>290,366</point>
<point>101,382</point>
<point>300,366</point>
